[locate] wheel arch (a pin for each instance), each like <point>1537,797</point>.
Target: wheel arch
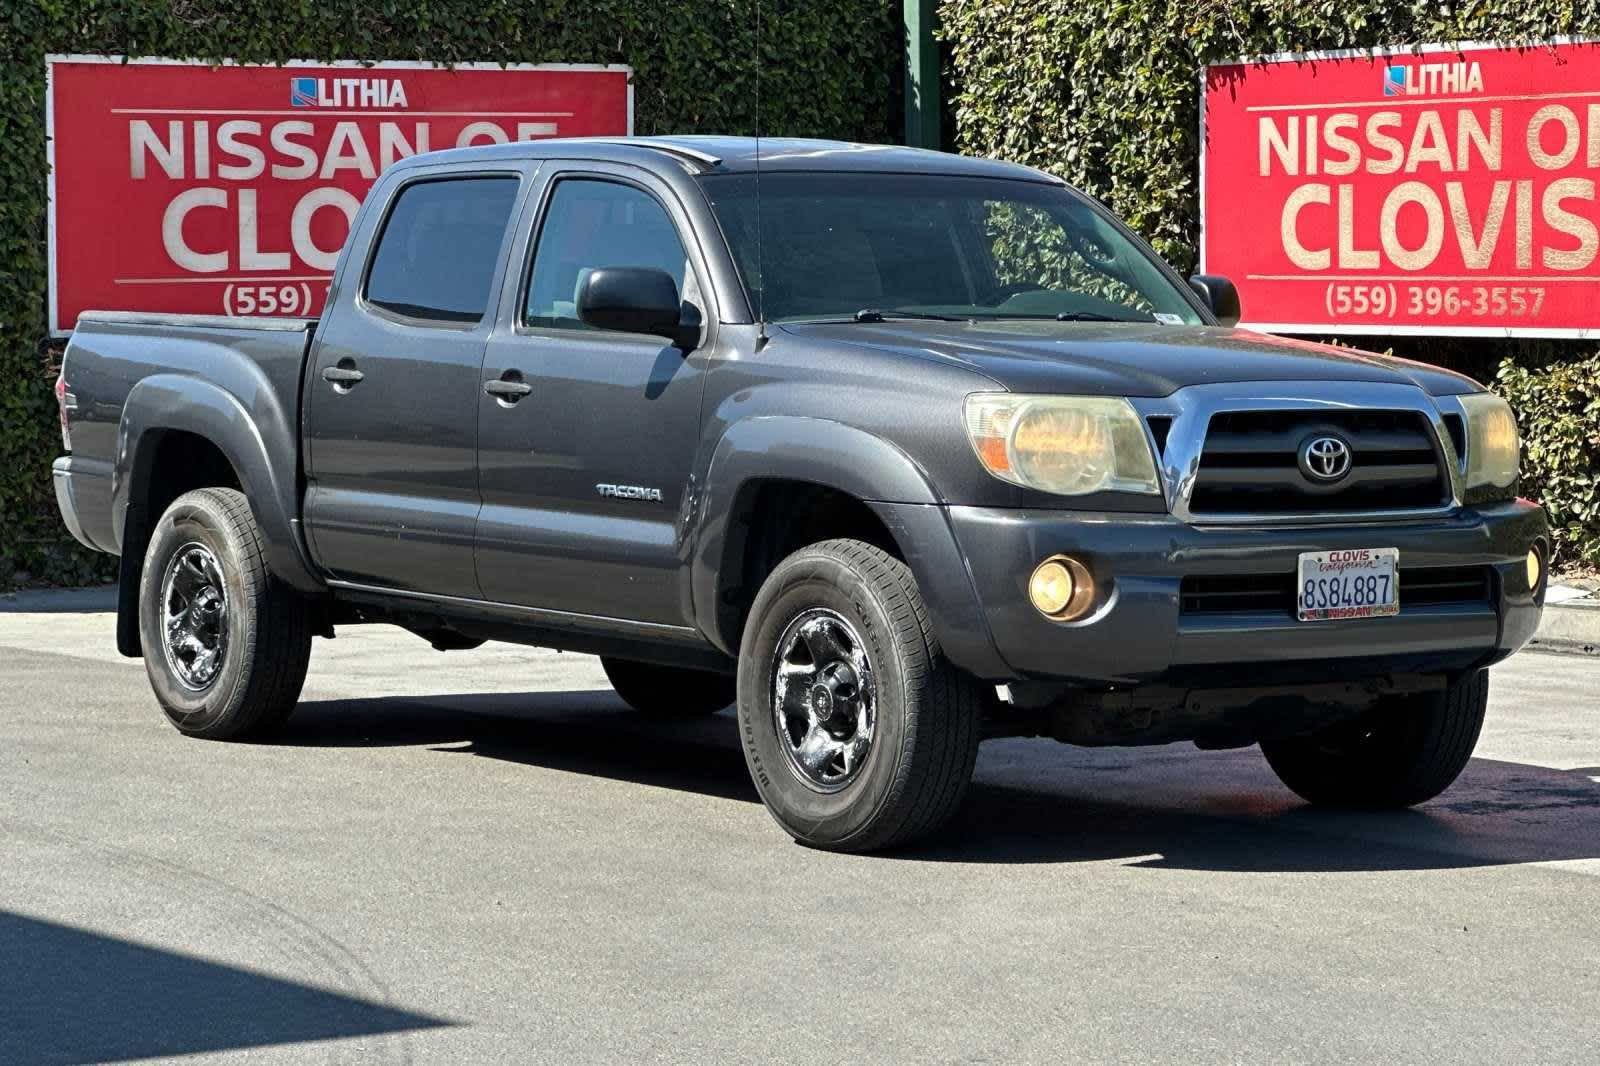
<point>837,481</point>
<point>179,433</point>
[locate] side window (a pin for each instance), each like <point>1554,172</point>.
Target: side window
<point>591,224</point>
<point>438,249</point>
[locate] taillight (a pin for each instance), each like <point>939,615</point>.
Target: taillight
<point>64,403</point>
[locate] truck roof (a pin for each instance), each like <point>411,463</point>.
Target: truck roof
<point>737,155</point>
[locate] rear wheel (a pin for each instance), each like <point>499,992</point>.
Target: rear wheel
<point>1405,751</point>
<point>858,732</point>
<point>668,691</point>
<point>226,644</point>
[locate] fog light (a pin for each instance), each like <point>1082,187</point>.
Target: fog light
<point>1535,569</point>
<point>1061,588</point>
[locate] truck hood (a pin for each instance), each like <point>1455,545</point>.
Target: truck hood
<point>1127,358</point>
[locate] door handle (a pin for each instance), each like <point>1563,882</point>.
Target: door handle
<point>344,374</point>
<point>507,389</point>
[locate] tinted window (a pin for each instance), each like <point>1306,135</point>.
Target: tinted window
<point>437,254</point>
<point>592,224</point>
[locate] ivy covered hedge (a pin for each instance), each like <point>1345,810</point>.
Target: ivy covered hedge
<point>831,70</point>
<point>1559,408</point>
<point>1106,94</point>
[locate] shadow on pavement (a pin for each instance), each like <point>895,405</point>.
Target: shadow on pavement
<point>582,732</point>
<point>1033,801</point>
<point>1500,813</point>
<point>74,996</point>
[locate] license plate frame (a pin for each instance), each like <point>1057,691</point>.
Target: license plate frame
<point>1336,580</point>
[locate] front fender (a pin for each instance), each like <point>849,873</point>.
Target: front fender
<point>873,470</point>
<point>260,442</point>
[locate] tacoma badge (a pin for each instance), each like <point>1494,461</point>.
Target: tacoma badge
<point>629,492</point>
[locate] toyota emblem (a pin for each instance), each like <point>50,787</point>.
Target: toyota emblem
<point>1325,459</point>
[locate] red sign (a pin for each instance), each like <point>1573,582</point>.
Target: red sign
<point>178,186</point>
<point>1449,190</point>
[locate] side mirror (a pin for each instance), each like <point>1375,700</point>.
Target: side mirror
<point>1218,294</point>
<point>631,300</point>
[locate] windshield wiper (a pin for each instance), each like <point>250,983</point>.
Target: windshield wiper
<point>873,314</point>
<point>1089,316</point>
<point>1067,316</point>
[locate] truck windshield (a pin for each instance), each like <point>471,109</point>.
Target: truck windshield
<point>872,246</point>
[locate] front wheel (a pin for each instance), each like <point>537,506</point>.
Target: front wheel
<point>1403,752</point>
<point>858,732</point>
<point>226,644</point>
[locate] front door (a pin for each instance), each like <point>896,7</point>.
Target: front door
<point>392,411</point>
<point>584,475</point>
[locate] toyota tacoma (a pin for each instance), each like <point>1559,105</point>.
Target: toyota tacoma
<point>896,450</point>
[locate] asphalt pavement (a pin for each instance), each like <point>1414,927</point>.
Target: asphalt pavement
<point>483,857</point>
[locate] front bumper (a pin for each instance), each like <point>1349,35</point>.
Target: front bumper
<point>1137,633</point>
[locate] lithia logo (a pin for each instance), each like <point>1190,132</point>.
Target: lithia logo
<point>346,92</point>
<point>1423,79</point>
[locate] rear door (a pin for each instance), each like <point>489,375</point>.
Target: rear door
<point>584,478</point>
<point>392,415</point>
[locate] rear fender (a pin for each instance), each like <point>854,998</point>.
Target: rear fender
<point>260,444</point>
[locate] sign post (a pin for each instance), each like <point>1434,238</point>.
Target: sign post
<point>182,187</point>
<point>1446,191</point>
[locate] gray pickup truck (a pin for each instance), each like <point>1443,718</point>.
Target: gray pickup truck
<point>899,451</point>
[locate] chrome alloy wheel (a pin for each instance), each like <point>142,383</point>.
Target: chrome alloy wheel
<point>194,616</point>
<point>824,699</point>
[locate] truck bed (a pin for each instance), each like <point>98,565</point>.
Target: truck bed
<point>125,371</point>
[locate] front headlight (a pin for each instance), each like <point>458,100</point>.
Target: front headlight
<point>1068,445</point>
<point>1493,448</point>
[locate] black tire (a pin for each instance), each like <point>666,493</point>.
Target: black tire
<point>668,691</point>
<point>261,659</point>
<point>1404,752</point>
<point>924,741</point>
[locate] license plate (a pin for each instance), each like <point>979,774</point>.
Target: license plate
<point>1352,583</point>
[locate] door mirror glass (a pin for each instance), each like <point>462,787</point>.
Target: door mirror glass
<point>1218,294</point>
<point>630,300</point>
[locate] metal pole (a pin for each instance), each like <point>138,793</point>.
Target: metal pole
<point>922,75</point>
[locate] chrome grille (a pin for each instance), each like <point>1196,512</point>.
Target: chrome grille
<point>1250,463</point>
